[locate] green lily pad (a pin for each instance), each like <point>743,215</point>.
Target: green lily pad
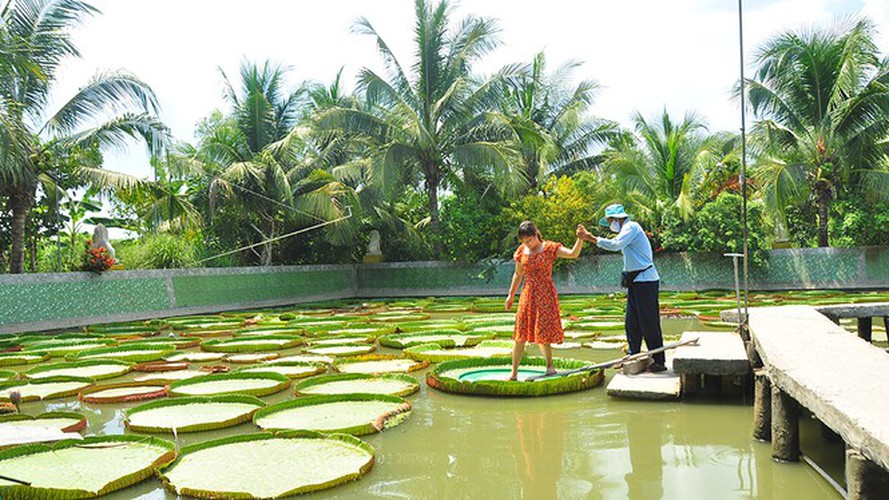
<point>170,377</point>
<point>135,353</point>
<point>61,349</point>
<point>21,358</point>
<point>252,343</point>
<point>48,388</point>
<point>292,369</point>
<point>96,369</point>
<point>378,364</point>
<point>200,357</point>
<point>268,465</point>
<point>444,338</point>
<point>341,350</point>
<point>255,384</point>
<point>252,357</point>
<point>123,393</point>
<point>392,384</point>
<point>307,358</point>
<point>81,469</point>
<point>328,340</point>
<point>434,353</point>
<point>18,428</point>
<point>193,414</point>
<point>355,414</point>
<point>488,377</point>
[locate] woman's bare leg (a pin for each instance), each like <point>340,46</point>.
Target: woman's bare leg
<point>547,351</point>
<point>517,350</point>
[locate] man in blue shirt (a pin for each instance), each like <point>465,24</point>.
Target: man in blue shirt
<point>642,319</point>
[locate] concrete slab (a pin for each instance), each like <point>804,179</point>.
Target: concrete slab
<point>717,353</point>
<point>597,344</point>
<point>654,386</point>
<point>840,378</point>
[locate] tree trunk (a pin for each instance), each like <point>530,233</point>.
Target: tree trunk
<point>823,210</point>
<point>433,181</point>
<point>20,205</point>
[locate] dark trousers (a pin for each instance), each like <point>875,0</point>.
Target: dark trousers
<point>643,319</point>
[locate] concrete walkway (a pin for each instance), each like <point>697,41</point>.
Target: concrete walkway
<point>655,386</point>
<point>843,380</point>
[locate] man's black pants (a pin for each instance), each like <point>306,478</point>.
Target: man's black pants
<point>643,318</point>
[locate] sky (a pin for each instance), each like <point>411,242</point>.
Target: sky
<point>648,55</point>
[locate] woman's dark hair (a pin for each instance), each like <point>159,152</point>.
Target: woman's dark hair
<point>527,228</point>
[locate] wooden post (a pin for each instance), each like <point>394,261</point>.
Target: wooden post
<point>762,406</point>
<point>865,480</point>
<point>865,328</point>
<point>785,426</point>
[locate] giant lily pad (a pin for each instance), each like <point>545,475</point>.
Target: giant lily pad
<point>378,364</point>
<point>193,414</point>
<point>96,369</point>
<point>392,384</point>
<point>194,356</point>
<point>341,350</point>
<point>252,343</point>
<point>328,340</point>
<point>428,325</point>
<point>81,469</point>
<point>21,358</point>
<point>48,388</point>
<point>488,377</point>
<point>308,358</point>
<point>434,353</point>
<point>501,330</point>
<point>444,338</point>
<point>268,465</point>
<point>293,369</point>
<point>355,414</point>
<point>65,348</point>
<point>595,325</point>
<point>17,428</point>
<point>123,393</point>
<point>256,384</point>
<point>135,353</point>
<point>254,357</point>
<point>170,377</point>
<point>398,316</point>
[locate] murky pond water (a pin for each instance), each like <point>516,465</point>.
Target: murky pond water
<point>581,445</point>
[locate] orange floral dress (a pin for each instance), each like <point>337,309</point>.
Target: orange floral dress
<point>538,319</point>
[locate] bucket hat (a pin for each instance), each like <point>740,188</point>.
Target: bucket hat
<point>616,210</point>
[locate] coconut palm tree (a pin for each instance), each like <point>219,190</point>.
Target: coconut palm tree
<point>427,122</point>
<point>549,117</point>
<point>822,97</point>
<point>254,156</point>
<point>666,167</point>
<point>107,111</point>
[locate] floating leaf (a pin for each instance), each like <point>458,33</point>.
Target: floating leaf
<point>377,364</point>
<point>356,414</point>
<point>48,388</point>
<point>123,393</point>
<point>341,350</point>
<point>81,469</point>
<point>96,369</point>
<point>292,369</point>
<point>444,338</point>
<point>256,384</point>
<point>392,384</point>
<point>193,414</point>
<point>434,353</point>
<point>488,377</point>
<point>268,465</point>
<point>251,343</point>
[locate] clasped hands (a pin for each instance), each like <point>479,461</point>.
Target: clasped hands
<point>585,235</point>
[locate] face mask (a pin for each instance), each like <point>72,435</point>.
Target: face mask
<point>615,226</point>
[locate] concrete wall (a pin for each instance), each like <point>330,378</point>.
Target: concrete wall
<point>33,302</point>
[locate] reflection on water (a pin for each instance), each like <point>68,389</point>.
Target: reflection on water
<point>580,445</point>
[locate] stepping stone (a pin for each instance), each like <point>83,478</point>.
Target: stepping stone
<point>717,353</point>
<point>656,386</point>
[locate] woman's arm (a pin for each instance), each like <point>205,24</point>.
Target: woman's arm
<point>514,285</point>
<point>564,253</point>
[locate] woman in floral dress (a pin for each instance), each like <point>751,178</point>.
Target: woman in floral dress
<point>538,318</point>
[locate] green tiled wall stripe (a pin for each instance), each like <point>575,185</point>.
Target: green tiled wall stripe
<point>48,301</point>
<point>227,289</point>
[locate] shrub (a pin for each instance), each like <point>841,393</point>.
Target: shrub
<point>717,227</point>
<point>161,251</point>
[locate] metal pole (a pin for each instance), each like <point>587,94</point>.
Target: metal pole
<point>743,177</point>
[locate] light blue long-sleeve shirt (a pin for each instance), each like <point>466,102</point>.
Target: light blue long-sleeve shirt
<point>636,249</point>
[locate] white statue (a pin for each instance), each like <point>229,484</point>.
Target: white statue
<point>374,247</point>
<point>100,239</point>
